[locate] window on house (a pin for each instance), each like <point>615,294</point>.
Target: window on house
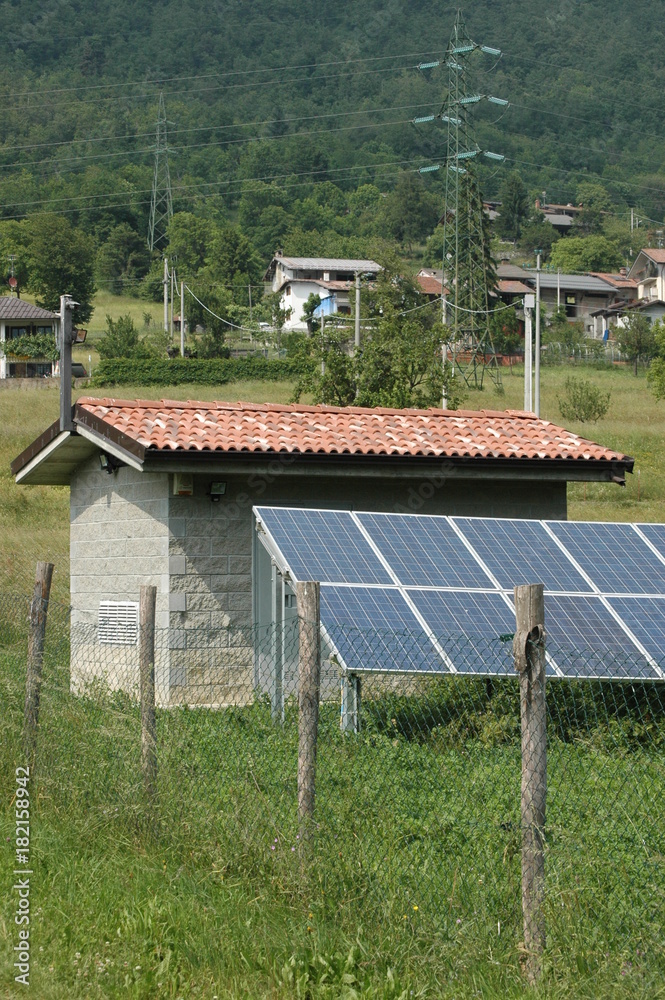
<point>14,332</point>
<point>118,623</point>
<point>42,330</point>
<point>571,309</point>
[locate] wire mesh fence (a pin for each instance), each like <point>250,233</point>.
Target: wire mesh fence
<point>416,806</point>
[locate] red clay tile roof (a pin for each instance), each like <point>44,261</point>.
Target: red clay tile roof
<point>430,285</point>
<point>330,430</point>
<point>657,255</point>
<point>512,287</point>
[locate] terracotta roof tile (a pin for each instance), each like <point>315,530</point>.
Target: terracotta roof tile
<point>174,425</point>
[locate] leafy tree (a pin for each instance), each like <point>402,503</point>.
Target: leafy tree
<point>189,242</point>
<point>121,340</point>
<point>637,338</point>
<point>586,253</point>
<point>313,302</point>
<point>583,401</point>
<point>123,261</point>
<point>656,373</point>
<point>560,330</point>
<point>515,207</point>
<point>594,200</point>
<point>410,212</point>
<point>400,362</point>
<point>60,262</point>
<point>538,234</point>
<point>13,244</point>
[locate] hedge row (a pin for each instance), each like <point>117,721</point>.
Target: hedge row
<point>179,371</point>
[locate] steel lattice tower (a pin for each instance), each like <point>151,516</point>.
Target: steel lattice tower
<point>161,201</point>
<point>467,263</point>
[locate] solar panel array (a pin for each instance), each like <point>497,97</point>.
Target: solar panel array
<point>411,593</point>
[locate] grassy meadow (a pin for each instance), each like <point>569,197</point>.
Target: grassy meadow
<point>423,807</point>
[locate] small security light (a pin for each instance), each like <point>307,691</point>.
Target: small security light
<point>217,491</point>
<point>108,463</point>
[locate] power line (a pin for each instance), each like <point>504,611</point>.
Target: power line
<point>202,128</point>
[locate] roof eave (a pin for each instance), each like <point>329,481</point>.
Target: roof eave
<point>320,464</point>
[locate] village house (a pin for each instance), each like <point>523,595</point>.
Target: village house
<point>18,319</point>
<point>296,278</point>
<point>162,494</point>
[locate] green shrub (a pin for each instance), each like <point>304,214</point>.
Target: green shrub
<point>583,401</point>
<point>196,371</point>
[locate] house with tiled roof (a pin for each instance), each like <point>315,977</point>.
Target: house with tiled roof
<point>162,493</point>
<point>19,319</point>
<point>296,278</point>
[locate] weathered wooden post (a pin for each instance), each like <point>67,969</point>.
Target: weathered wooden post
<point>529,652</point>
<point>147,602</point>
<point>308,598</point>
<point>36,638</point>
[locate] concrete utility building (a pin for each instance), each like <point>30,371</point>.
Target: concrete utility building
<point>162,494</point>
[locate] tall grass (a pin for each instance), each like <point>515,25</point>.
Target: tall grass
<point>410,884</point>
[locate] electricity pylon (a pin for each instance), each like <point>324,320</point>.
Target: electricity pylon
<point>161,201</point>
<point>468,269</point>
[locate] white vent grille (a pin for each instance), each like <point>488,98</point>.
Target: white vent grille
<point>118,623</point>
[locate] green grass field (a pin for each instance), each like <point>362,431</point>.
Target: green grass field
<point>409,886</point>
<point>415,887</point>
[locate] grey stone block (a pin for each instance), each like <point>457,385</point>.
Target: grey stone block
<point>177,565</point>
<point>177,602</point>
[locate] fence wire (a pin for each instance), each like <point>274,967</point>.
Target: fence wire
<point>417,795</point>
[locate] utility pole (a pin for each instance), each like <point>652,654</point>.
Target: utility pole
<point>249,292</point>
<point>529,303</point>
<point>161,201</point>
<point>166,295</point>
<point>444,358</point>
<point>66,338</point>
<point>357,317</point>
<point>536,400</point>
<point>171,314</point>
<point>182,319</point>
<point>323,324</point>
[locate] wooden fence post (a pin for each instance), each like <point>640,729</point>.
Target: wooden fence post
<point>36,638</point>
<point>309,683</point>
<point>529,651</point>
<point>147,602</point>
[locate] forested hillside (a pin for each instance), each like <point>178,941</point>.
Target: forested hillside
<point>291,123</point>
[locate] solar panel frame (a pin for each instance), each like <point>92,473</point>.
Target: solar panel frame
<point>600,547</point>
<point>484,535</point>
<point>589,638</point>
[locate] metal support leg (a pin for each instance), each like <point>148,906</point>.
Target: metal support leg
<point>277,654</point>
<point>350,715</point>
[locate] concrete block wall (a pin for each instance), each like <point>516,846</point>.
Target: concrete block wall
<point>127,529</point>
<point>118,542</point>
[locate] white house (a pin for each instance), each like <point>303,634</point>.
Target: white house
<point>296,278</point>
<point>19,318</point>
<point>648,272</point>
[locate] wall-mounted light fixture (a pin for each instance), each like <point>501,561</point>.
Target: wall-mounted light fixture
<point>108,463</point>
<point>217,491</point>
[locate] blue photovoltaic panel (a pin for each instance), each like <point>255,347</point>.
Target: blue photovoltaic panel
<point>469,628</point>
<point>374,630</point>
<point>585,640</point>
<point>424,551</point>
<point>645,617</point>
<point>518,552</point>
<point>323,545</point>
<point>614,556</point>
<point>656,535</point>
